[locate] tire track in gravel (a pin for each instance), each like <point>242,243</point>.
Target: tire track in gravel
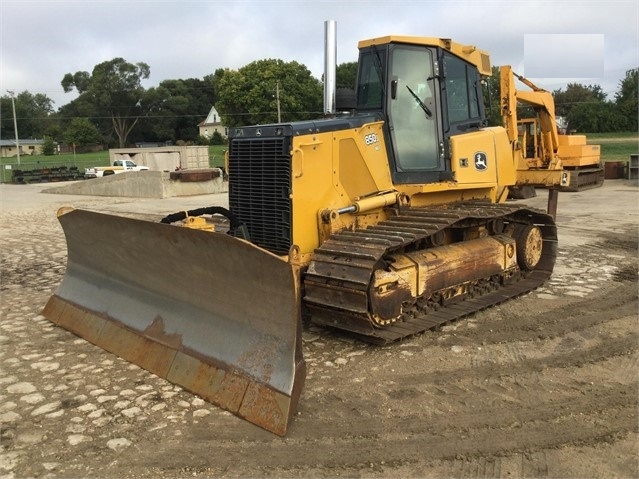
<point>606,347</point>
<point>508,393</point>
<point>513,322</point>
<point>410,440</point>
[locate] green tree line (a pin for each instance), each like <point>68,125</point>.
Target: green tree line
<point>114,109</point>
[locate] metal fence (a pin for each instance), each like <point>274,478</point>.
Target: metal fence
<point>30,171</point>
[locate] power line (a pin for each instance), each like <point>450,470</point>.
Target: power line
<point>54,117</point>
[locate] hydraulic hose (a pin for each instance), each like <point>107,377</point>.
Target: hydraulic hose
<point>235,223</point>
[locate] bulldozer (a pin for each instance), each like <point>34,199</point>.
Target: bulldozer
<point>384,219</point>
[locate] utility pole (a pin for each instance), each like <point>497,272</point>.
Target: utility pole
<point>277,98</point>
<point>15,123</point>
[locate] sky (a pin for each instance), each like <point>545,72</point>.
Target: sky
<point>41,41</point>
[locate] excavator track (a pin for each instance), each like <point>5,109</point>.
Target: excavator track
<point>584,179</point>
<point>336,282</point>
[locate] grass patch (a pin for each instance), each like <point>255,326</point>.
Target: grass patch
<point>216,155</point>
<point>618,151</point>
<point>615,146</point>
<point>616,136</point>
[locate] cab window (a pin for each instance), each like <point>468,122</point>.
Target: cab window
<point>413,113</point>
<point>462,93</point>
<point>370,89</point>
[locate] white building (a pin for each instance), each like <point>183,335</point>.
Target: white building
<point>212,124</point>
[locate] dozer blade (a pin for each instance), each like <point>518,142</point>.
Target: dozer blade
<point>209,312</point>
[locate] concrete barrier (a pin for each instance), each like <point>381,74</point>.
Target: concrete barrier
<point>141,184</point>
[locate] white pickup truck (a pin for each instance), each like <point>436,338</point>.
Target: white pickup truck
<point>119,166</point>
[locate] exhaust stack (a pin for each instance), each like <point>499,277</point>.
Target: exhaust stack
<point>330,66</point>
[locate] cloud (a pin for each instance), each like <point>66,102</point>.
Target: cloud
<point>565,55</point>
<point>42,40</point>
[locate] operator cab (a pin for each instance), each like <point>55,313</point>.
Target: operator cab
<point>426,94</point>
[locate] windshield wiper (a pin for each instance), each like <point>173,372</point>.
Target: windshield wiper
<point>420,102</point>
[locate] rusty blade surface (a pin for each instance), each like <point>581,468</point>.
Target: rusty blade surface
<point>214,314</point>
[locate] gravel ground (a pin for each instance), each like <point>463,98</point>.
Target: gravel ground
<point>541,386</point>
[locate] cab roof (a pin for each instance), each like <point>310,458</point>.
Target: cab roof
<point>470,53</point>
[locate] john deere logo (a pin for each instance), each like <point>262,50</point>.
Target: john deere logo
<point>481,162</point>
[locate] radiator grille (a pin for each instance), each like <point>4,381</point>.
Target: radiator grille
<point>259,190</point>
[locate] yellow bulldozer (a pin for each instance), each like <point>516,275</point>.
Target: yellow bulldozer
<point>385,219</point>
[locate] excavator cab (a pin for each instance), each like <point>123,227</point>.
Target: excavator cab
<point>529,138</point>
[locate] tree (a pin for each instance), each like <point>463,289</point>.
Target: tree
<point>81,132</point>
<point>83,107</point>
<point>217,138</point>
<point>33,114</point>
<point>248,96</point>
<point>48,147</point>
<point>80,80</point>
<point>175,108</point>
<point>626,99</point>
<point>576,94</point>
<point>346,75</point>
<point>202,140</point>
<point>596,117</point>
<point>492,95</point>
<point>115,90</point>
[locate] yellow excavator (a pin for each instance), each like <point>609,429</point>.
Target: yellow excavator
<point>385,219</point>
<point>541,141</point>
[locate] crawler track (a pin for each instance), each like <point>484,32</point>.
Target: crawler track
<point>337,280</point>
<point>584,179</point>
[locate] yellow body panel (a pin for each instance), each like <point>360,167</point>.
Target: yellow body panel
<point>586,155</point>
<point>333,170</point>
<point>571,140</point>
<point>471,181</point>
<point>449,192</point>
<point>473,158</point>
<point>574,151</point>
<point>350,167</point>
